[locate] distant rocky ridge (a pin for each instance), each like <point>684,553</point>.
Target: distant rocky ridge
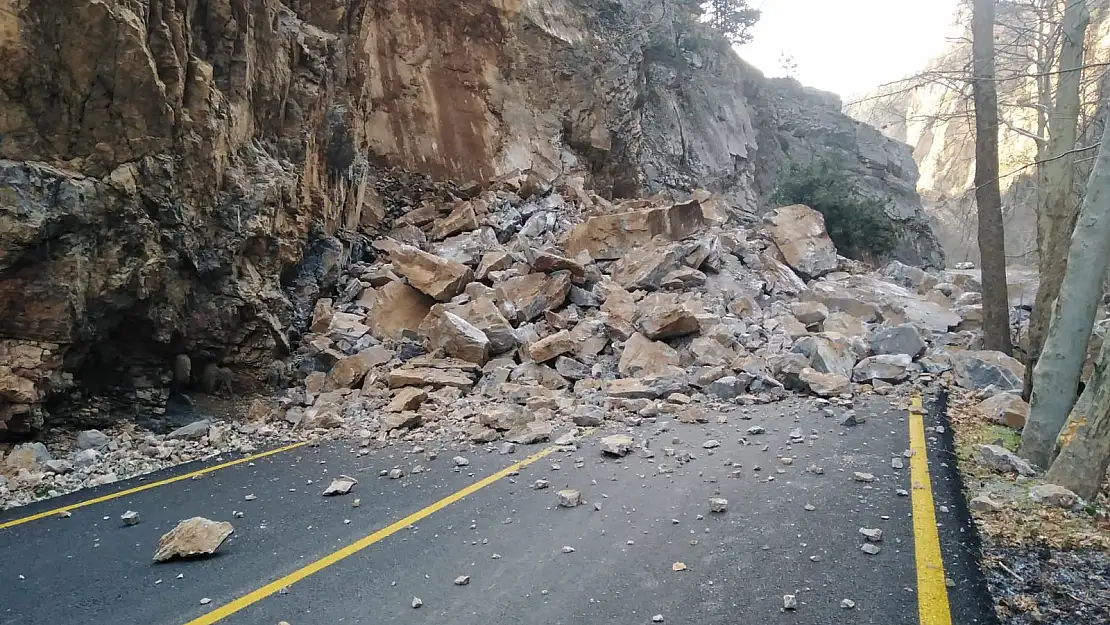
<point>189,180</point>
<point>932,113</point>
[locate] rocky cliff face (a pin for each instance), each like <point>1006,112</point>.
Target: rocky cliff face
<point>186,177</point>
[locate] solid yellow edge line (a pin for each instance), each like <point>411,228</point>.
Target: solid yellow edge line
<point>139,489</point>
<point>932,592</point>
<point>246,600</point>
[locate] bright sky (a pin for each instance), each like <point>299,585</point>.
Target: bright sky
<point>849,46</point>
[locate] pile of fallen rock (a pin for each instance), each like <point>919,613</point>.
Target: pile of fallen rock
<point>526,307</point>
<point>522,307</point>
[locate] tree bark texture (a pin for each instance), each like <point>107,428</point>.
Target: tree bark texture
<point>988,195</point>
<point>1085,440</point>
<point>1056,211</point>
<point>1065,348</point>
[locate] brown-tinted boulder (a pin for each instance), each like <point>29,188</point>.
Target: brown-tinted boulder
<point>645,357</point>
<point>665,315</point>
<point>455,336</point>
<point>349,371</point>
<point>613,236</point>
<point>407,399</point>
<point>483,314</point>
<point>397,307</point>
<point>799,233</point>
<point>530,295</point>
<point>549,347</point>
<point>439,278</point>
<point>461,219</point>
<point>647,269</point>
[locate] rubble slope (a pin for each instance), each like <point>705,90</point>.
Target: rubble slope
<point>185,179</point>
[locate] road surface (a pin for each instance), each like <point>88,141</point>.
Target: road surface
<point>305,559</point>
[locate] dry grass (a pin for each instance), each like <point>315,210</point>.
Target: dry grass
<point>1020,522</point>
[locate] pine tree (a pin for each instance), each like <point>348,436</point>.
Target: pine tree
<point>733,18</point>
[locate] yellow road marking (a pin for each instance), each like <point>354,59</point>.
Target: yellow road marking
<point>932,593</point>
<point>139,489</point>
<point>248,599</point>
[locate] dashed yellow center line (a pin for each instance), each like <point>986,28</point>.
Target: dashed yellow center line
<point>273,587</point>
<point>932,592</point>
<point>139,489</point>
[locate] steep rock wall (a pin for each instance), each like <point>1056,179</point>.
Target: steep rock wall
<point>181,176</point>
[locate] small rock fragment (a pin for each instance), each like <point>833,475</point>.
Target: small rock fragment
<point>416,602</point>
<point>540,484</point>
<point>847,604</point>
<point>789,602</point>
<point>658,618</point>
<point>874,535</point>
<point>396,473</point>
<point>568,549</point>
<point>870,548</point>
<point>460,461</point>
<point>718,504</point>
<point>617,445</point>
<point>983,503</point>
<point>340,486</point>
<point>863,477</point>
<point>130,518</point>
<point>711,444</point>
<point>569,498</point>
<point>1053,495</point>
<point>462,580</point>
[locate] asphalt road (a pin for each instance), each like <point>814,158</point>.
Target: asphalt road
<point>639,518</point>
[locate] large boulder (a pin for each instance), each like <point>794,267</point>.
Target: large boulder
<point>458,338</point>
<point>799,233</point>
<point>192,537</point>
<point>530,295</point>
<point>439,278</point>
<point>888,368</point>
<point>977,370</point>
<point>666,315</point>
<point>872,299</point>
<point>552,346</point>
<point>824,384</point>
<point>901,339</point>
<point>827,352</point>
<point>646,270</point>
<point>1005,408</point>
<point>645,357</point>
<point>483,314</point>
<point>347,372</point>
<point>612,236</point>
<point>461,219</point>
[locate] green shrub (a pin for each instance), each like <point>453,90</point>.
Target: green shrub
<point>858,225</point>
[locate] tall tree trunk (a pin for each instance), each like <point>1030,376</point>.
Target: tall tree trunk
<point>988,196</point>
<point>1065,348</point>
<point>1085,441</point>
<point>1056,212</point>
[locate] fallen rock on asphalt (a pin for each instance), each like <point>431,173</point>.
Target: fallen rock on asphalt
<point>617,444</point>
<point>340,486</point>
<point>569,498</point>
<point>192,537</point>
